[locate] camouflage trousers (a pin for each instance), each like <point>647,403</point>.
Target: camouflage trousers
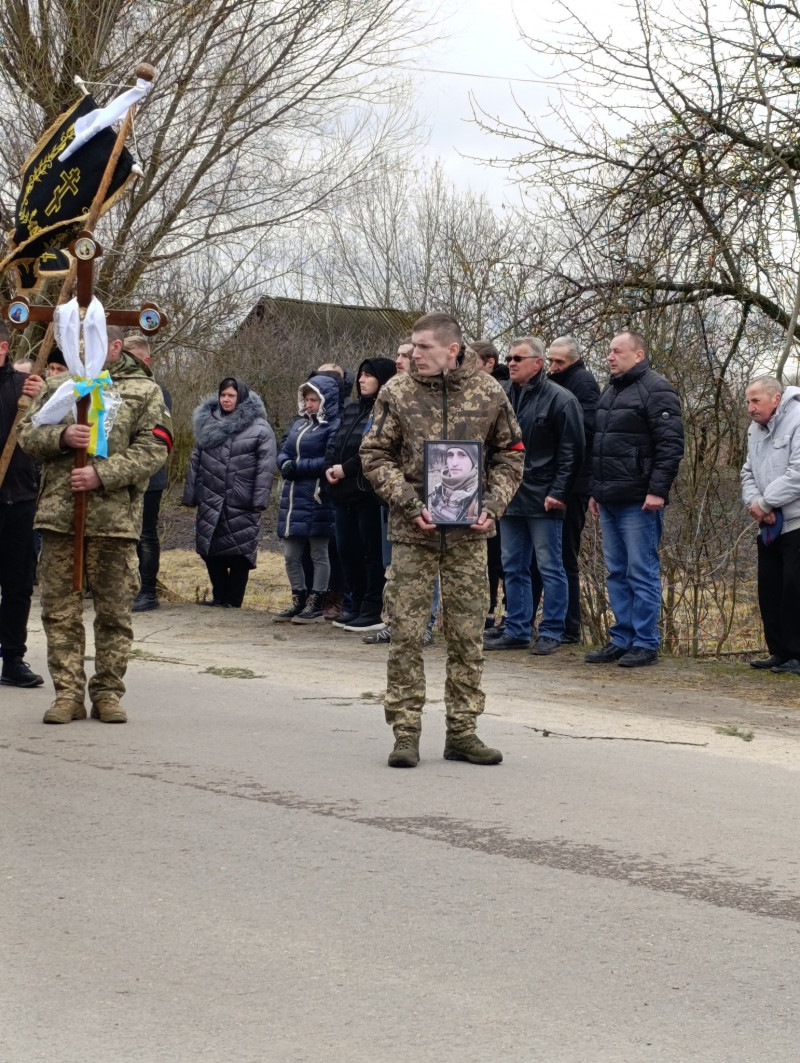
<point>112,574</point>
<point>464,587</point>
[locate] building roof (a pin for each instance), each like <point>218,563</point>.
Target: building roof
<point>333,321</point>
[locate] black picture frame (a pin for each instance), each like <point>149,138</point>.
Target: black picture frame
<point>457,506</point>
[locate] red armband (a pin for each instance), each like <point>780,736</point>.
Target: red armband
<point>160,432</point>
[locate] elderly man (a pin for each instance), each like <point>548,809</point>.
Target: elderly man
<point>638,446</point>
<point>568,371</point>
<point>139,439</point>
<point>443,396</point>
<point>771,492</point>
<point>551,423</point>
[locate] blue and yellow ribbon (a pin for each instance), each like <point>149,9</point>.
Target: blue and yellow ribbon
<point>98,444</point>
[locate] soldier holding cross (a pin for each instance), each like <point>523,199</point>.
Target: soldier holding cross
<point>138,439</point>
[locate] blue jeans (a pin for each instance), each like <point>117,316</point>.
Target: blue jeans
<point>522,539</point>
<point>630,547</point>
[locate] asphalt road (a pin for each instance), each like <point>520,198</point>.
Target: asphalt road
<point>236,875</point>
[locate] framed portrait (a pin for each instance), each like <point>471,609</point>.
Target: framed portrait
<point>452,484</point>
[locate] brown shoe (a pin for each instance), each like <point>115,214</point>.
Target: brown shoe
<point>109,712</point>
<point>63,711</point>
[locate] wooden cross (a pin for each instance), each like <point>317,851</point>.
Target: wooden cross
<point>149,318</point>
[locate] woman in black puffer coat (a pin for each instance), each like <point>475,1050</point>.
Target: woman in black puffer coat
<point>230,478</point>
<point>306,515</point>
<point>357,509</point>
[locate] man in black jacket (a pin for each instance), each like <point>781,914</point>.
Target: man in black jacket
<point>17,508</point>
<point>568,371</point>
<point>552,430</point>
<point>638,446</point>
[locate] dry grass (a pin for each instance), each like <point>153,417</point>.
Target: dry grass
<point>183,578</point>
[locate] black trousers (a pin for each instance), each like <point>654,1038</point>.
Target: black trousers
<point>16,575</point>
<point>779,594</point>
<point>574,520</point>
<point>229,576</point>
<point>149,546</point>
<point>494,562</point>
<point>360,546</point>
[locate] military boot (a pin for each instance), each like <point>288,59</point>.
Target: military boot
<point>109,711</point>
<point>406,750</point>
<point>63,710</point>
<point>469,747</point>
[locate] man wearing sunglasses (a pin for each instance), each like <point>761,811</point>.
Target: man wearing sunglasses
<point>551,423</point>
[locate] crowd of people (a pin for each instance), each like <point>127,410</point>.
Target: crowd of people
<point>450,474</point>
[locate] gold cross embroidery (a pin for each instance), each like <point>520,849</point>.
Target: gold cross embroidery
<point>69,183</point>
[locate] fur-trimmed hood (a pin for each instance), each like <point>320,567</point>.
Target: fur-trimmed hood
<point>212,427</point>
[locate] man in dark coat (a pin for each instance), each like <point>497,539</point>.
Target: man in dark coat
<point>638,446</point>
<point>148,548</point>
<point>552,430</point>
<point>568,371</point>
<point>357,509</point>
<point>17,509</point>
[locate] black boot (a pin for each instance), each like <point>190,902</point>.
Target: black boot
<point>17,674</point>
<point>298,604</point>
<point>312,612</point>
<point>144,601</point>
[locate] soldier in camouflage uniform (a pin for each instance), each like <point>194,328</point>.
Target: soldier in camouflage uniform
<point>442,396</point>
<point>139,438</point>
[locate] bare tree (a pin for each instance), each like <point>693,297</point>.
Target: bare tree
<point>676,164</point>
<point>415,241</point>
<point>261,111</point>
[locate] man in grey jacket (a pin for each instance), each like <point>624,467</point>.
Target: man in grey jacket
<point>771,492</point>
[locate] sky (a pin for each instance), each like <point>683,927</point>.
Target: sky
<point>483,38</point>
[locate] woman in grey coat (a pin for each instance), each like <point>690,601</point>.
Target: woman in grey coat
<point>229,480</point>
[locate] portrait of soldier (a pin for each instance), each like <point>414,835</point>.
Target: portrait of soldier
<point>456,497</point>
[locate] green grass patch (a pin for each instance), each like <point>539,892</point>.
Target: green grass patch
<point>733,732</point>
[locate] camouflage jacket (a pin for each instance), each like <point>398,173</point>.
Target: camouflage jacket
<point>461,403</point>
<point>138,442</point>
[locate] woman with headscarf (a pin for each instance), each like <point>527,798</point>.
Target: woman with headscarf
<point>455,499</point>
<point>229,480</point>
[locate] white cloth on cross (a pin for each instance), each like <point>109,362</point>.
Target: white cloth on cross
<point>102,117</point>
<point>67,328</point>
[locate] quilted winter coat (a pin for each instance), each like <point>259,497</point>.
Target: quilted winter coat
<point>230,476</point>
<point>306,510</point>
